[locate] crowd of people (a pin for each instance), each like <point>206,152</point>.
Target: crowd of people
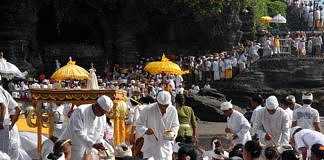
<point>288,126</point>
<point>163,124</point>
<point>165,127</point>
<point>311,12</point>
<point>299,43</point>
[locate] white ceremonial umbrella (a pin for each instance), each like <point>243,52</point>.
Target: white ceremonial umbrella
<point>9,70</point>
<point>279,19</point>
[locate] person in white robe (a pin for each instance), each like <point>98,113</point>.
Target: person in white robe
<point>222,69</point>
<point>93,81</point>
<point>29,143</point>
<point>234,65</point>
<point>267,51</point>
<point>310,19</point>
<point>306,116</point>
<point>86,127</point>
<point>237,124</point>
<point>178,81</point>
<point>159,125</point>
<point>310,46</point>
<point>9,135</point>
<point>289,112</point>
<point>256,104</point>
<point>303,139</point>
<point>216,69</point>
<point>58,119</point>
<point>306,11</point>
<point>242,62</point>
<point>57,64</point>
<point>273,124</point>
<point>253,51</point>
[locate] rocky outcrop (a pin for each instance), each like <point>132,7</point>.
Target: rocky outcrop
<point>206,105</point>
<point>206,108</point>
<point>278,75</point>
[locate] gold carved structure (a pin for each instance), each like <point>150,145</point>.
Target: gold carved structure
<point>76,97</point>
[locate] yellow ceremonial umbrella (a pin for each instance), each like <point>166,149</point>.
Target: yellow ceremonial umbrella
<point>164,66</point>
<point>265,19</point>
<point>70,71</point>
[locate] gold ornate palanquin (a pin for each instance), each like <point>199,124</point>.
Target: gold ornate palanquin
<point>76,97</point>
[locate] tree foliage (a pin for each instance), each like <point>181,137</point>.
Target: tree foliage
<point>203,8</point>
<point>269,8</point>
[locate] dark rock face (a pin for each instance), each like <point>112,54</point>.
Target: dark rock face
<point>34,33</point>
<point>279,75</point>
<point>206,105</point>
<point>212,93</point>
<point>18,32</point>
<point>296,22</point>
<point>206,108</point>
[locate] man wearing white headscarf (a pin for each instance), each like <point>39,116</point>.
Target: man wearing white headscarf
<point>303,140</point>
<point>306,117</point>
<point>292,102</point>
<point>273,124</point>
<point>237,124</point>
<point>159,125</point>
<point>86,127</point>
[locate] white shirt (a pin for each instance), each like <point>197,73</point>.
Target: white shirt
<point>178,81</point>
<point>228,64</point>
<point>240,126</point>
<point>138,110</point>
<point>10,140</point>
<point>322,15</point>
<point>307,138</point>
<point>317,15</point>
<point>306,116</point>
<point>180,90</point>
<point>276,124</point>
<point>234,61</point>
<point>290,115</point>
<point>9,103</point>
<point>84,129</point>
<point>172,84</point>
<point>317,41</point>
<point>151,117</point>
<point>254,114</point>
<point>242,60</point>
<point>306,10</point>
<point>208,65</point>
<point>297,106</point>
<point>215,66</point>
<point>253,119</point>
<point>222,65</point>
<point>254,50</point>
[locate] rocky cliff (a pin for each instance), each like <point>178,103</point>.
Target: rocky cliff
<point>33,33</point>
<point>278,75</point>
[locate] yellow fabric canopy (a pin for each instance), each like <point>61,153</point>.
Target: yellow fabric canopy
<point>70,71</point>
<point>164,66</point>
<point>265,19</point>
